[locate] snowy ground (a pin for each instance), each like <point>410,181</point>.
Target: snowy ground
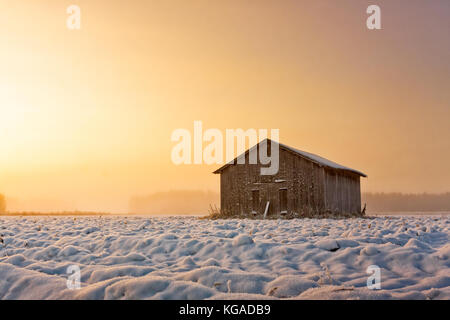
<point>188,258</point>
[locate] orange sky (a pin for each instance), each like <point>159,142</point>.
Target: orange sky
<point>86,116</point>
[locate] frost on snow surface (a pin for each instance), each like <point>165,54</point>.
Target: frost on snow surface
<point>188,258</point>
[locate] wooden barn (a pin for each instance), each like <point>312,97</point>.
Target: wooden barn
<point>305,185</point>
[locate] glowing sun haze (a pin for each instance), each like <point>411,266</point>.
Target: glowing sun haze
<point>86,116</point>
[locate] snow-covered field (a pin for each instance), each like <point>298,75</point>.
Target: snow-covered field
<point>188,258</point>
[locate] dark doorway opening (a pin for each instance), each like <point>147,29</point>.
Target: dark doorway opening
<point>255,201</point>
<point>283,200</point>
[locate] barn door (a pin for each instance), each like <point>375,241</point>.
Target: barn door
<point>255,201</point>
<point>283,200</point>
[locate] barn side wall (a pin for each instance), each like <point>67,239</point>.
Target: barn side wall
<point>342,192</point>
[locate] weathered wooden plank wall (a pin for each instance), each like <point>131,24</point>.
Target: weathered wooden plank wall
<point>310,188</point>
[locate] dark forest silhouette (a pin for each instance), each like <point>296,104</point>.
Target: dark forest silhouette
<point>401,202</point>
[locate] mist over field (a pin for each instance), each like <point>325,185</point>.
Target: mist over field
<point>175,202</point>
<point>197,202</point>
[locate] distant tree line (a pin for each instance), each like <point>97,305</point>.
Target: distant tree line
<point>401,202</point>
<point>197,202</point>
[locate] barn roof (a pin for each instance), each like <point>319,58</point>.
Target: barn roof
<point>310,156</point>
